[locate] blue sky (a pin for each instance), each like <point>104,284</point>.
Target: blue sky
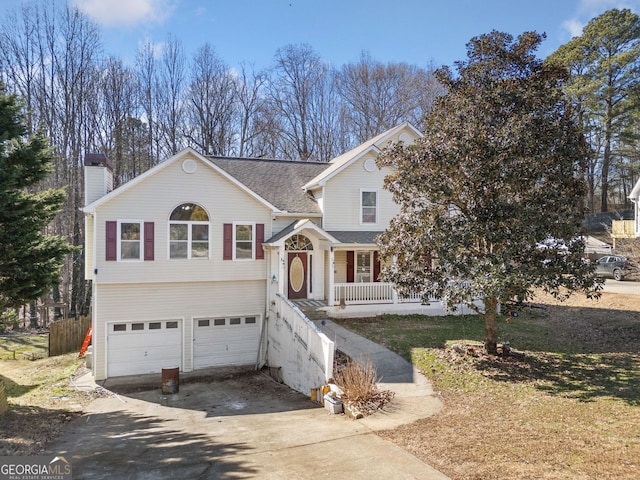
<point>412,31</point>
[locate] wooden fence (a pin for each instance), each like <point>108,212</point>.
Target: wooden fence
<point>4,406</point>
<point>67,335</point>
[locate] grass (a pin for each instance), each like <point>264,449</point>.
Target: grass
<point>39,394</point>
<point>17,346</point>
<point>564,405</point>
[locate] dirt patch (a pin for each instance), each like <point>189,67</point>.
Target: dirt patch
<point>569,411</point>
<point>42,399</point>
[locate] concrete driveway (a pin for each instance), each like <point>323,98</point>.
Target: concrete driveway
<point>240,425</point>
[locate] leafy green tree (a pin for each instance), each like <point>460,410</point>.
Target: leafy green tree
<point>495,177</point>
<point>605,84</point>
<point>30,260</point>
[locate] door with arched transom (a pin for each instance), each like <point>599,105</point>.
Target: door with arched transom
<point>298,248</point>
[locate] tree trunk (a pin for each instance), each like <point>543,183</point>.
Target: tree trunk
<point>33,318</point>
<point>490,332</point>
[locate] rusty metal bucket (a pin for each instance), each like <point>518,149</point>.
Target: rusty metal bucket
<point>170,380</point>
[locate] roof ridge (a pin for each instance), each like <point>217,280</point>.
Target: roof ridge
<point>255,159</point>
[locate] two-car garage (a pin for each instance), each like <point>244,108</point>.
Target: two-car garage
<point>149,346</point>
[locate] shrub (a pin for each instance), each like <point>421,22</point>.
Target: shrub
<point>357,381</point>
<point>9,319</point>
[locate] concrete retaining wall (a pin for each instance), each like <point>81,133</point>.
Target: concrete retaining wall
<point>294,344</point>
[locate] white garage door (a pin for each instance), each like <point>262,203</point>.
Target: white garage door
<point>143,347</point>
<point>221,341</point>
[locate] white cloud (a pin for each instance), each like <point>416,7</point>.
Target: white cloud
<point>125,12</point>
<point>588,9</point>
<point>573,26</point>
<point>156,47</point>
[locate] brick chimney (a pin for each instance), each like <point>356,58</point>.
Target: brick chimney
<point>98,177</point>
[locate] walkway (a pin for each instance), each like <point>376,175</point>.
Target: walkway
<point>414,397</point>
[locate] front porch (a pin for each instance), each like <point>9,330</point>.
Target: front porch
<point>369,293</point>
<point>317,310</point>
<point>305,263</point>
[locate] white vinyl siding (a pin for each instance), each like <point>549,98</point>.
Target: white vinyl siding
<point>97,182</point>
<point>340,260</point>
<point>150,302</point>
<point>89,250</point>
<point>343,198</point>
<point>153,200</point>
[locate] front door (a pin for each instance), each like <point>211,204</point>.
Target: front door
<point>297,275</point>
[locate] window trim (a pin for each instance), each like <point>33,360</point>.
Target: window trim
<point>119,241</point>
<point>369,190</point>
<point>235,244</point>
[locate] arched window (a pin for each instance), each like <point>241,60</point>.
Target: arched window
<point>189,232</point>
<point>298,243</point>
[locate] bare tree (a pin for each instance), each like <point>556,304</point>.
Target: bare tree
<point>380,96</point>
<point>146,74</point>
<point>169,96</point>
<point>251,105</point>
<point>49,55</point>
<point>298,92</point>
<point>210,103</point>
<point>19,58</point>
<point>120,111</point>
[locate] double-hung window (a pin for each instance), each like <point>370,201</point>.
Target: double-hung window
<point>243,241</point>
<point>368,206</point>
<point>130,238</point>
<point>189,232</point>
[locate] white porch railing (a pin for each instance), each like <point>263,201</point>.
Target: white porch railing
<point>369,293</point>
<point>362,293</point>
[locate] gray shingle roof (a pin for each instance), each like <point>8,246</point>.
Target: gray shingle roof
<point>277,181</point>
<point>283,233</point>
<point>355,237</point>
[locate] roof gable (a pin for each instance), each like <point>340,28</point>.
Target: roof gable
<point>182,155</point>
<point>297,227</point>
<point>376,144</point>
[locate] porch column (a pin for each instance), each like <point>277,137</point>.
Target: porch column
<point>282,268</point>
<point>331,266</point>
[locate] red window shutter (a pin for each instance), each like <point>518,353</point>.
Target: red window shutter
<point>259,241</point>
<point>148,241</point>
<point>111,252</point>
<point>350,266</point>
<point>376,267</point>
<point>227,244</point>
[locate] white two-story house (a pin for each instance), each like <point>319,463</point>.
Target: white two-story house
<point>186,259</point>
